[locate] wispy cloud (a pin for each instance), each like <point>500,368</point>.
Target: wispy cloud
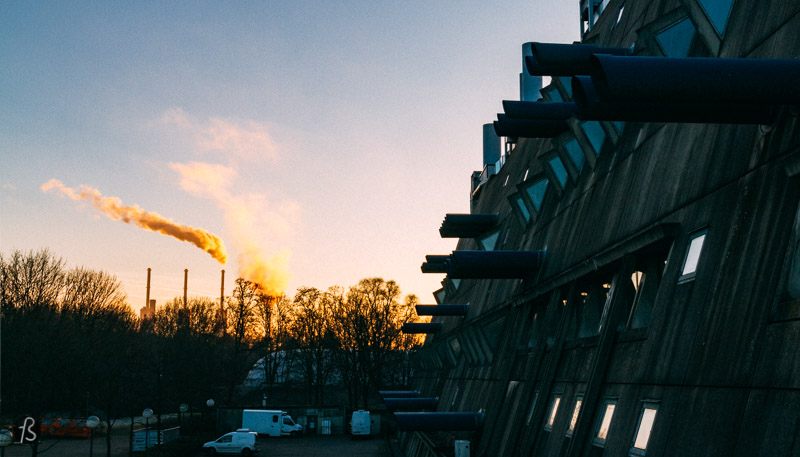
<point>244,140</point>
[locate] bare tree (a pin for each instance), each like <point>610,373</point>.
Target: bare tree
<point>274,314</point>
<point>313,335</point>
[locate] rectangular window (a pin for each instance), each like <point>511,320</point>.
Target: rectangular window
<point>646,420</point>
<point>692,258</point>
<point>533,406</point>
<point>551,416</point>
<point>604,424</point>
<point>576,411</point>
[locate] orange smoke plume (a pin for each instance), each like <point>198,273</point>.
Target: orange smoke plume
<point>115,210</point>
<point>253,221</point>
<point>270,274</point>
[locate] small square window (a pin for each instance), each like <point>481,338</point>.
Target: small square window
<point>692,256</point>
<point>576,411</point>
<point>604,424</point>
<point>551,416</point>
<point>646,420</point>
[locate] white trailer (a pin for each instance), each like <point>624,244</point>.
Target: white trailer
<point>270,422</point>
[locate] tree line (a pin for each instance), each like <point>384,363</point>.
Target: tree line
<point>70,342</point>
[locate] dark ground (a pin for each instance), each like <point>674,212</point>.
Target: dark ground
<point>321,446</point>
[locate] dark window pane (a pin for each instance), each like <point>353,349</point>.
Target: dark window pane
<point>594,131</point>
<point>677,39</point>
<point>558,169</point>
<point>536,193</point>
<point>523,209</point>
<point>718,11</point>
<point>575,153</point>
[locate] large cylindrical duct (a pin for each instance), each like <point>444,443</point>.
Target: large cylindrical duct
<point>421,327</point>
<point>399,393</point>
<point>696,80</point>
<point>442,310</point>
<point>590,106</point>
<point>554,59</point>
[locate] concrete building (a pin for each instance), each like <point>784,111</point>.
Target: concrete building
<point>631,266</point>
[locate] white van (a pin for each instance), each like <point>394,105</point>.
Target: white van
<point>360,424</point>
<point>242,441</point>
<point>270,422</point>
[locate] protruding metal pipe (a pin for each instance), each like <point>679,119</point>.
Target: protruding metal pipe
<point>436,421</point>
<point>539,110</point>
<point>422,327</point>
<point>442,310</point>
<point>529,128</point>
<point>467,225</point>
<point>493,264</point>
<point>411,404</point>
<point>591,107</point>
<point>696,80</point>
<point>556,59</point>
<point>398,394</point>
<point>434,264</point>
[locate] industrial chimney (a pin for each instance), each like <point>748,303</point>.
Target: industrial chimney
<point>147,298</point>
<point>185,284</point>
<point>222,291</point>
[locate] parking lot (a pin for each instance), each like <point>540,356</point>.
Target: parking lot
<point>319,446</point>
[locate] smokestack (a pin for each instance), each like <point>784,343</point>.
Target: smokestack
<point>147,299</point>
<point>222,292</point>
<point>185,283</point>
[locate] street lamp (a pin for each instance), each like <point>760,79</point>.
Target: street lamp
<point>92,422</point>
<point>181,411</point>
<point>210,404</point>
<point>147,414</point>
<point>6,438</point>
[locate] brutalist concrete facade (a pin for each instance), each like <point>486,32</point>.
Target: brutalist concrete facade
<point>667,303</point>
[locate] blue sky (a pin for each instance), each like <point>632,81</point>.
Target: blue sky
<point>344,130</point>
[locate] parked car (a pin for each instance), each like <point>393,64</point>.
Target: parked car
<point>65,427</point>
<point>242,441</point>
